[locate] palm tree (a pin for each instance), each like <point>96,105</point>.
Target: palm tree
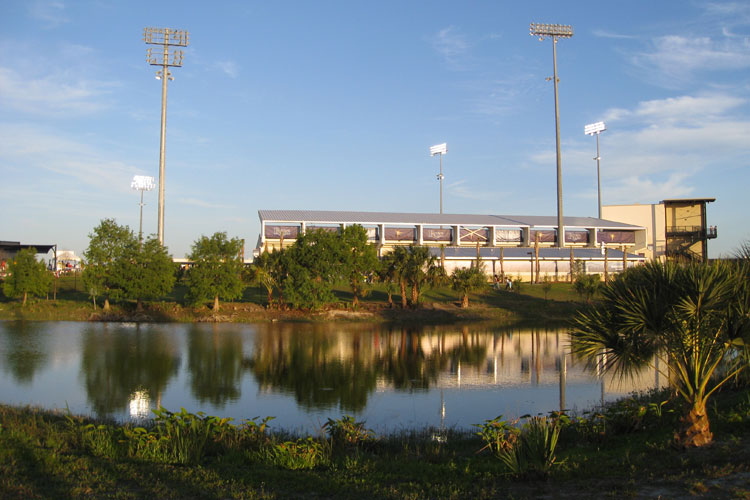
<point>262,275</point>
<point>418,269</point>
<point>399,265</point>
<point>693,317</point>
<point>467,280</point>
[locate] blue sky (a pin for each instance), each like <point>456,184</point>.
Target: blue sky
<point>333,105</point>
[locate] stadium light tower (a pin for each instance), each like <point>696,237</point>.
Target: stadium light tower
<point>555,31</point>
<point>142,183</point>
<point>596,129</point>
<point>166,58</point>
<point>440,149</point>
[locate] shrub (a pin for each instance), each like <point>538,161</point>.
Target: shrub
<point>533,455</point>
<point>498,434</point>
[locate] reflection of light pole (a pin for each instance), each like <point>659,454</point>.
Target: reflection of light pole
<point>440,149</point>
<point>165,37</point>
<point>142,183</point>
<point>596,129</point>
<point>555,31</point>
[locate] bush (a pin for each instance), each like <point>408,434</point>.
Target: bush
<point>533,455</point>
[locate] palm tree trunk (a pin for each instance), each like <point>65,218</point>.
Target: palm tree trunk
<point>414,295</point>
<point>694,430</point>
<point>139,305</point>
<point>216,303</point>
<point>465,301</point>
<point>106,304</point>
<point>403,293</point>
<point>24,299</point>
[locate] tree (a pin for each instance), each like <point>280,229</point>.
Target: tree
<point>387,275</point>
<point>586,285</point>
<point>262,274</point>
<point>108,244</point>
<point>311,266</point>
<point>359,258</point>
<point>26,275</point>
<point>467,280</point>
<point>693,317</point>
<point>398,263</point>
<point>419,269</point>
<point>144,273</point>
<point>216,271</point>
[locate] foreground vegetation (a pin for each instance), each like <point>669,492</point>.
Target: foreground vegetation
<point>622,450</point>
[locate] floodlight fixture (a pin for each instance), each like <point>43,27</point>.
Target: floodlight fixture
<point>166,57</point>
<point>596,129</point>
<point>555,31</point>
<point>142,183</point>
<point>440,149</point>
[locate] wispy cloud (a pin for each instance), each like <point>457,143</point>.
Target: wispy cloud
<point>229,68</point>
<point>452,46</point>
<point>676,58</point>
<point>608,34</point>
<point>50,13</point>
<point>656,149</point>
<point>56,92</point>
<point>462,189</point>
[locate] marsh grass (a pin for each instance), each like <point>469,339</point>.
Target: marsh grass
<point>623,449</point>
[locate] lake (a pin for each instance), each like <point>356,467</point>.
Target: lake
<point>394,378</point>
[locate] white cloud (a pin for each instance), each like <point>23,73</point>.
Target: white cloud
<point>452,46</point>
<point>56,92</point>
<point>70,161</point>
<point>608,34</point>
<point>51,13</point>
<point>229,68</point>
<point>676,58</point>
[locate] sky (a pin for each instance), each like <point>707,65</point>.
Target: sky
<point>333,105</point>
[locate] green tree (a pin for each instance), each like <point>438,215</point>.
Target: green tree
<point>108,245</point>
<point>359,259</point>
<point>144,273</point>
<point>694,318</point>
<point>311,266</point>
<point>387,275</point>
<point>468,280</point>
<point>216,271</point>
<point>419,269</point>
<point>586,285</point>
<point>398,265</point>
<point>262,274</point>
<point>26,275</point>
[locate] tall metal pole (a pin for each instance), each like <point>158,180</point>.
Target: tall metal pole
<point>441,182</point>
<point>560,227</point>
<point>140,225</point>
<point>555,31</point>
<point>166,38</point>
<point>165,75</point>
<point>598,177</point>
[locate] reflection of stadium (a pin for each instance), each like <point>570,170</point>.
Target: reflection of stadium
<point>386,359</point>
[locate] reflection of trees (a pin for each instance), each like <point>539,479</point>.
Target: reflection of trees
<point>215,364</point>
<point>324,368</point>
<point>117,361</point>
<point>406,366</point>
<point>308,365</point>
<point>26,349</point>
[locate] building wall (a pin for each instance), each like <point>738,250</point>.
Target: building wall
<point>652,217</point>
<point>686,215</point>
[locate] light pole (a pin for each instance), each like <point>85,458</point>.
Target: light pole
<point>596,129</point>
<point>167,38</point>
<point>440,149</point>
<point>555,31</point>
<point>142,183</point>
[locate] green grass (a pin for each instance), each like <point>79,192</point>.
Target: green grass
<point>48,455</point>
<point>441,304</point>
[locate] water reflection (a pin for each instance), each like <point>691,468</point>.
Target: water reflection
<point>321,369</point>
<point>121,362</point>
<point>301,373</point>
<point>216,364</point>
<point>24,350</point>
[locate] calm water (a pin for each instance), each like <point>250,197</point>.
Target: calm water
<point>394,378</point>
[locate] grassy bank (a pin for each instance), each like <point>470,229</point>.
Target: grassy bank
<point>623,451</point>
<point>438,305</point>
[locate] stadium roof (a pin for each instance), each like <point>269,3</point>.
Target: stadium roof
<point>405,218</point>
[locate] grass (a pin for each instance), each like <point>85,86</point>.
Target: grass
<point>48,455</point>
<point>438,305</point>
